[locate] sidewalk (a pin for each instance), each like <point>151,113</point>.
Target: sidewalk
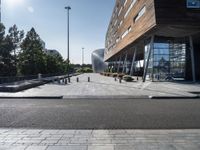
<point>106,86</point>
<point>22,139</point>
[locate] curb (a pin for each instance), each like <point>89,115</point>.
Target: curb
<point>174,97</point>
<point>91,97</point>
<point>34,97</point>
<point>104,97</point>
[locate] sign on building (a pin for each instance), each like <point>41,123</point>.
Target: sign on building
<point>193,3</point>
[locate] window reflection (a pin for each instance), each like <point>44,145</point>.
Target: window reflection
<point>167,60</point>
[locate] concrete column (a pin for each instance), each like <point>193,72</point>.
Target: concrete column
<point>124,64</point>
<point>146,65</point>
<point>120,58</point>
<point>115,66</point>
<point>192,59</point>
<point>133,62</point>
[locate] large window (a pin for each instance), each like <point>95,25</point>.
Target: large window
<point>130,7</point>
<point>120,11</point>
<point>167,60</point>
<point>126,32</point>
<point>125,2</point>
<point>140,14</point>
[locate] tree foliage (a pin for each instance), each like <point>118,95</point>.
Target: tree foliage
<point>31,56</point>
<point>16,36</point>
<point>26,56</point>
<point>55,64</point>
<point>7,65</point>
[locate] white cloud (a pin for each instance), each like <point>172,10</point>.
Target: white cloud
<point>31,9</point>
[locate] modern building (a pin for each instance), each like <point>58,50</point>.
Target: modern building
<point>52,52</point>
<point>156,39</point>
<point>98,64</point>
<point>43,44</point>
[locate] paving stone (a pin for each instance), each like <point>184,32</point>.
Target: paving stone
<point>12,148</point>
<point>36,148</point>
<point>166,147</point>
<point>108,140</point>
<point>186,146</point>
<point>100,147</point>
<point>67,148</point>
<point>124,147</point>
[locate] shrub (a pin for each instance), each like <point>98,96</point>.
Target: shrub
<point>128,78</point>
<point>106,74</point>
<point>109,74</point>
<point>84,70</point>
<point>121,75</point>
<point>88,70</point>
<point>114,75</point>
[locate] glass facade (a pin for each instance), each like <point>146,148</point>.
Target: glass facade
<point>98,64</point>
<point>167,60</point>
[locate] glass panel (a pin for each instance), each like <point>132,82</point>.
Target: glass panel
<point>167,60</point>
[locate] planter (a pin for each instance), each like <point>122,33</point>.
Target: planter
<point>128,78</point>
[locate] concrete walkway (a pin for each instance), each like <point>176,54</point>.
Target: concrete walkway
<point>22,139</point>
<point>106,86</point>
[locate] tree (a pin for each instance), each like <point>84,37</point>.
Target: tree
<point>7,65</point>
<point>54,64</point>
<point>31,57</point>
<point>16,36</point>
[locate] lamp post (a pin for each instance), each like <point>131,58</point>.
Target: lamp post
<point>0,11</point>
<point>83,56</point>
<point>68,8</point>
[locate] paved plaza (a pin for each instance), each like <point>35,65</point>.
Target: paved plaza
<point>114,121</point>
<point>21,139</point>
<point>107,86</point>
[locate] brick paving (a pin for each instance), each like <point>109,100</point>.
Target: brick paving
<point>23,139</point>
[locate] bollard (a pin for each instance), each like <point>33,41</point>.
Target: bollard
<point>65,81</point>
<point>39,76</point>
<point>88,79</point>
<point>77,79</point>
<point>120,80</point>
<point>115,79</point>
<point>137,78</point>
<point>69,80</point>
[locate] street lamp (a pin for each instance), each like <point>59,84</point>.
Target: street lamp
<point>0,11</point>
<point>68,8</point>
<point>83,56</point>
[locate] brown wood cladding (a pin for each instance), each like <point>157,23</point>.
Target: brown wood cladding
<point>168,17</point>
<point>144,24</point>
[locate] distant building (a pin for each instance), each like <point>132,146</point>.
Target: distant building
<point>43,44</point>
<point>52,52</point>
<point>98,64</point>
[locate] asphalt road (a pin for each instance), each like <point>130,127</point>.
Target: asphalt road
<point>100,114</point>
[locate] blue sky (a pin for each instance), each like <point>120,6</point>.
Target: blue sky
<point>89,20</point>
